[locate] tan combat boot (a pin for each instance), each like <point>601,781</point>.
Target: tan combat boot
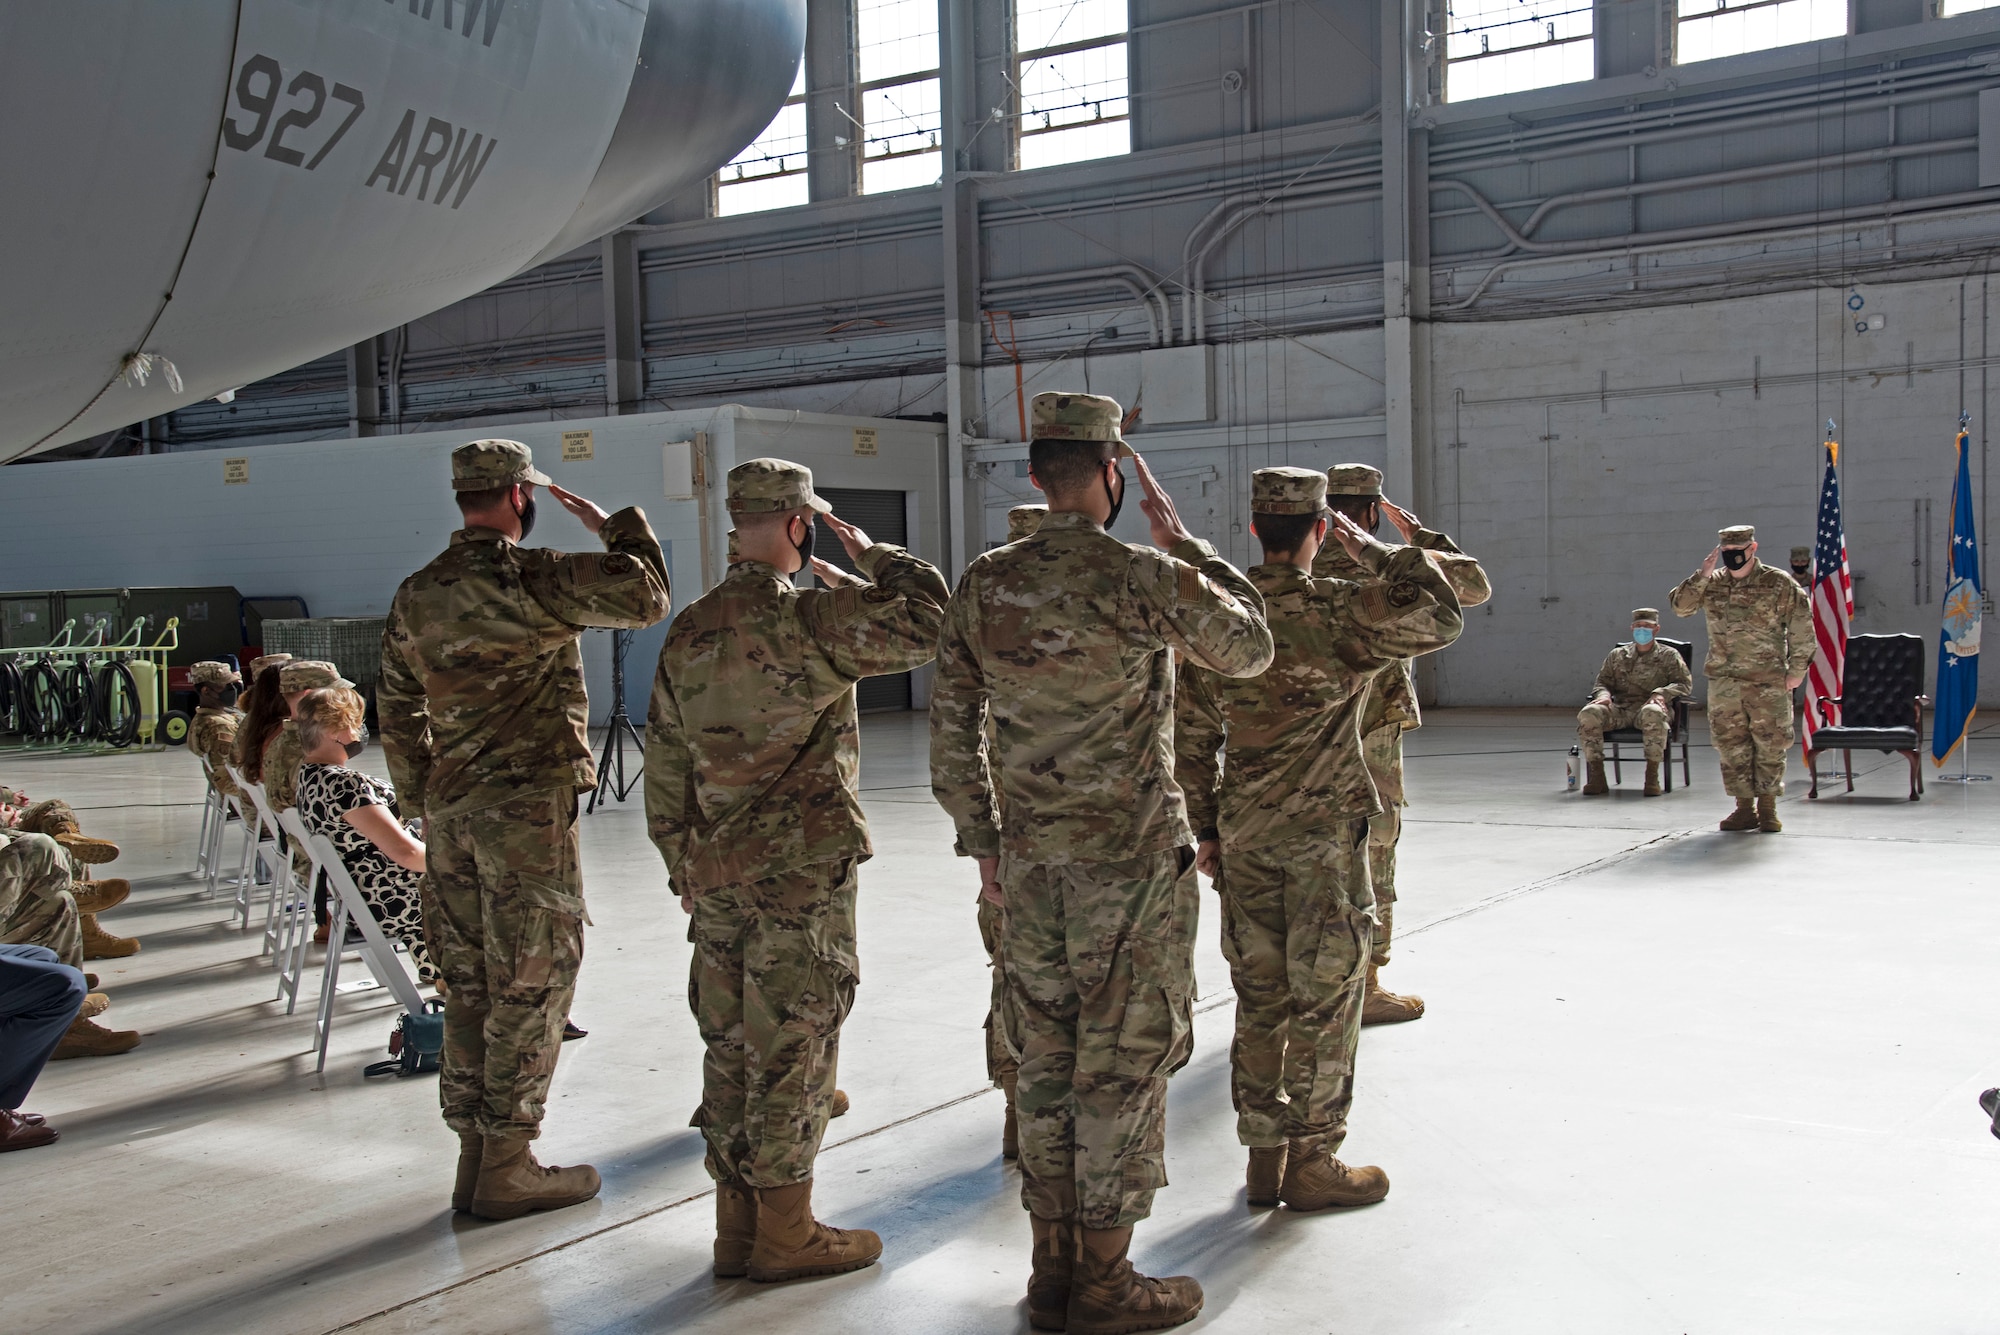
<point>471,1149</point>
<point>1380,1007</point>
<point>1593,779</point>
<point>94,1005</point>
<point>1108,1297</point>
<point>99,944</point>
<point>511,1183</point>
<point>1652,778</point>
<point>840,1104</point>
<point>1266,1172</point>
<point>97,896</point>
<point>84,1039</point>
<point>791,1244</point>
<point>1010,1126</point>
<point>735,1228</point>
<point>1055,1264</point>
<point>1743,818</point>
<point>90,852</point>
<point>1767,815</point>
<point>1315,1180</point>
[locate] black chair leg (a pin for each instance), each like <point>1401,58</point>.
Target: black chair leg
<point>1847,758</point>
<point>1916,776</point>
<point>1812,765</point>
<point>1617,764</point>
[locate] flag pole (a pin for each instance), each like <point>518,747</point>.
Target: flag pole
<point>1964,747</point>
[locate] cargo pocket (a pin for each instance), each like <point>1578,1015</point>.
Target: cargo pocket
<point>548,947</point>
<point>1346,936</point>
<point>826,982</point>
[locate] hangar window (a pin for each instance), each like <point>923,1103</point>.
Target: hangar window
<point>771,172</point>
<point>1070,74</point>
<point>896,56</point>
<point>1708,29</point>
<point>1950,7</point>
<point>1507,46</point>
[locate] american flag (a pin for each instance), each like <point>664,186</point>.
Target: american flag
<point>1832,602</point>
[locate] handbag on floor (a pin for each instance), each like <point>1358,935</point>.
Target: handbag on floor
<point>414,1043</point>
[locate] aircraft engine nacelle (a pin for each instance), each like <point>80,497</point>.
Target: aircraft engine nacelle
<point>240,188</point>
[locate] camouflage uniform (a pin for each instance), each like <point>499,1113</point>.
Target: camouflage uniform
<point>1289,803</point>
<point>212,736</point>
<point>1632,677</point>
<point>1759,633</point>
<point>1055,687</point>
<point>752,795</point>
<point>484,723</point>
<point>36,905</point>
<point>1392,699</point>
<point>1023,520</point>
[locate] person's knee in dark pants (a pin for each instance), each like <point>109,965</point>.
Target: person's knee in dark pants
<point>39,997</point>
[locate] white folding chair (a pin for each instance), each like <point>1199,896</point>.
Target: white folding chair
<point>375,948</point>
<point>211,818</point>
<point>258,831</point>
<point>231,802</point>
<point>296,912</point>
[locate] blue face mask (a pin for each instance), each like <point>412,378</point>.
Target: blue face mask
<point>1642,634</point>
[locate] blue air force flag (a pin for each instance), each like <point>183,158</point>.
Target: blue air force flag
<point>1957,694</point>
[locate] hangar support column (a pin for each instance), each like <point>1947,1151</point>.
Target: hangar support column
<point>1406,279</point>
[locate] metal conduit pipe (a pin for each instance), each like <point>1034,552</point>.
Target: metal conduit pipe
<point>1520,240</point>
<point>1128,276</point>
<point>1194,267</point>
<point>1767,228</point>
<point>663,261</point>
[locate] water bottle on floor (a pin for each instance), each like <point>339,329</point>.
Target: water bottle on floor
<point>1571,764</point>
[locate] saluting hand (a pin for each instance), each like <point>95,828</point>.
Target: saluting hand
<point>589,513</point>
<point>830,574</point>
<point>1405,522</point>
<point>1714,559</point>
<point>851,537</point>
<point>1159,509</point>
<point>1352,538</point>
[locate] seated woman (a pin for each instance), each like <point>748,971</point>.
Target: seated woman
<point>357,812</point>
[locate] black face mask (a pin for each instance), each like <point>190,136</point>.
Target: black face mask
<point>1735,557</point>
<point>1117,502</point>
<point>358,745</point>
<point>527,513</point>
<point>220,697</point>
<point>805,549</point>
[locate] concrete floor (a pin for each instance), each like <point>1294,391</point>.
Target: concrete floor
<point>1671,1080</point>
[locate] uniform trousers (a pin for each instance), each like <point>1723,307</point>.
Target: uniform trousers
<point>1297,930</point>
<point>1099,960</point>
<point>1001,1063</point>
<point>503,911</point>
<point>1599,717</point>
<point>44,912</point>
<point>1382,750</point>
<point>1751,726</point>
<point>39,997</point>
<point>771,983</point>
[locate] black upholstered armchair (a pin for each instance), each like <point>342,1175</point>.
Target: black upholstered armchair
<point>1881,706</point>
<point>1677,725</point>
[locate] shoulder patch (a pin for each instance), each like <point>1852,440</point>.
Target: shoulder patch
<point>619,563</point>
<point>1190,583</point>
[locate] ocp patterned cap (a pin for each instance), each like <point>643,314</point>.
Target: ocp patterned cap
<point>1738,535</point>
<point>485,464</point>
<point>1078,417</point>
<point>772,486</point>
<point>1801,554</point>
<point>257,665</point>
<point>1287,491</point>
<point>1651,614</point>
<point>213,673</point>
<point>1023,520</point>
<point>309,674</point>
<point>1353,480</point>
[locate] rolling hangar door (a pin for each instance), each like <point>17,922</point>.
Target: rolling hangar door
<point>885,517</point>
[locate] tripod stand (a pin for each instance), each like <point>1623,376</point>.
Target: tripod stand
<point>617,728</point>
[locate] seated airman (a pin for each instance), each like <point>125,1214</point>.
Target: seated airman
<point>1635,688</point>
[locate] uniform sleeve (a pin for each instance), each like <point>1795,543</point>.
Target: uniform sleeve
<point>1801,641</point>
<point>1683,680</point>
<point>671,814</point>
<point>1468,578</point>
<point>1609,678</point>
<point>961,771</point>
<point>623,587</point>
<point>1689,595</point>
<point>403,713</point>
<point>1199,730</point>
<point>890,625</point>
<point>1408,608</point>
<point>1203,606</point>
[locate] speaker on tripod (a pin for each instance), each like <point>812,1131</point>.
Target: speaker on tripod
<point>617,729</point>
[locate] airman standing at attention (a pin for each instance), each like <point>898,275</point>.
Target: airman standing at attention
<point>1052,750</point>
<point>1355,490</point>
<point>1283,825</point>
<point>752,795</point>
<point>1635,688</point>
<point>1760,643</point>
<point>213,734</point>
<point>484,717</point>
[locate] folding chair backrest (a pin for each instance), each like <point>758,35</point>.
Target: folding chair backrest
<point>1682,647</point>
<point>295,830</point>
<point>1881,680</point>
<point>382,961</point>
